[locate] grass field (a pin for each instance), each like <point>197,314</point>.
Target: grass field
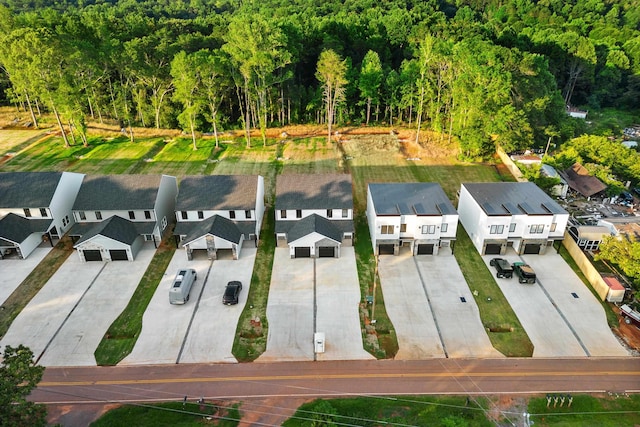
<point>603,411</point>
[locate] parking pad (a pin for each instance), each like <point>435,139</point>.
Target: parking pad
<point>103,302</point>
<point>213,330</point>
<point>15,270</point>
<point>39,321</point>
<point>407,306</point>
<point>578,305</point>
<point>164,325</point>
<point>455,309</point>
<point>337,299</point>
<point>549,333</point>
<point>290,309</point>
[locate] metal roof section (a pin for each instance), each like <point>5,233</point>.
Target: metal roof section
<point>415,198</point>
<point>513,198</point>
<point>314,191</point>
<point>28,189</point>
<point>217,192</point>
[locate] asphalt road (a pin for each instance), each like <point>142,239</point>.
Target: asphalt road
<point>337,378</point>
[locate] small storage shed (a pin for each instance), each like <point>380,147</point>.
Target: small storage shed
<point>616,290</point>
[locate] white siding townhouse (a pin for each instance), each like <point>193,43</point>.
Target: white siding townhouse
<point>415,215</point>
<point>218,213</point>
<point>510,214</point>
<point>116,214</point>
<point>314,214</point>
<point>34,206</point>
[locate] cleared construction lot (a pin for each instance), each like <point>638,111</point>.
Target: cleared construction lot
<point>294,314</point>
<point>203,329</point>
<point>64,323</point>
<point>432,308</point>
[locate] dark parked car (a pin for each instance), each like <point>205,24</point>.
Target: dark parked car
<point>231,293</point>
<point>524,272</point>
<point>503,268</point>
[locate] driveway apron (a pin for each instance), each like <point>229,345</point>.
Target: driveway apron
<point>164,325</point>
<point>290,309</point>
<point>77,340</point>
<point>549,333</point>
<point>212,332</point>
<point>337,304</point>
<point>455,309</point>
<point>579,307</point>
<point>408,309</point>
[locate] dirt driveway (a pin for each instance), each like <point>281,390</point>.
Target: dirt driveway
<point>290,310</point>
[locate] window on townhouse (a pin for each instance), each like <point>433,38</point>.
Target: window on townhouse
<point>27,212</point>
<point>386,229</point>
<point>496,229</point>
<point>537,229</point>
<point>428,229</point>
<point>345,213</point>
<point>553,227</point>
<point>184,214</point>
<point>512,227</point>
<point>232,214</point>
<point>200,215</point>
<point>99,215</point>
<point>43,212</point>
<point>298,213</point>
<point>82,215</point>
<point>147,214</point>
<point>329,213</point>
<point>444,227</point>
<point>132,215</point>
<point>283,214</point>
<point>164,222</point>
<point>247,214</point>
<point>403,228</point>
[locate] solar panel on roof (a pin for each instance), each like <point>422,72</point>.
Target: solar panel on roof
<point>526,208</point>
<point>445,208</point>
<point>511,208</point>
<point>419,209</point>
<point>489,209</point>
<point>552,208</point>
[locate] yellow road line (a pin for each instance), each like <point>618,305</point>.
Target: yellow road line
<point>341,376</point>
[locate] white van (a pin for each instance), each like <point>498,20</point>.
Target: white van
<point>179,292</point>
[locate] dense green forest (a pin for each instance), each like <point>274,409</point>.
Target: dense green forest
<point>484,71</point>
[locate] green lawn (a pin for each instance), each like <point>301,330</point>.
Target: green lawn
<point>401,411</point>
<point>171,414</point>
<point>609,411</point>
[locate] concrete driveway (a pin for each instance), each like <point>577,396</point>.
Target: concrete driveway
<point>407,306</point>
<point>455,309</point>
<point>290,310</point>
<point>582,312</point>
<point>210,338</point>
<point>64,323</point>
<point>79,336</point>
<point>548,331</point>
<point>14,271</point>
<point>337,300</point>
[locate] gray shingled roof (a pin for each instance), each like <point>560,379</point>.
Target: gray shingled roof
<point>16,228</point>
<point>218,226</point>
<point>314,223</point>
<point>513,198</point>
<point>415,198</point>
<point>308,191</point>
<point>115,228</point>
<point>27,189</point>
<point>217,192</point>
<point>117,192</point>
